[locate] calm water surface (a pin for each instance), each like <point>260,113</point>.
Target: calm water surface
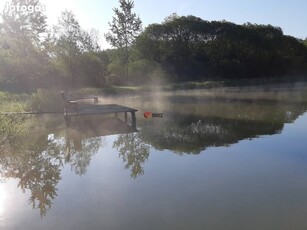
<point>226,158</point>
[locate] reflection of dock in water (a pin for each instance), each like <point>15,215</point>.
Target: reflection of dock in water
<point>97,126</point>
<point>82,130</point>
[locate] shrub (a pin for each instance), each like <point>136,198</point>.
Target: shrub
<point>44,100</point>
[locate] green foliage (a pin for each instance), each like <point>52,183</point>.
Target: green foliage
<point>21,24</point>
<point>13,102</point>
<point>32,57</point>
<point>44,100</point>
<point>93,69</point>
<point>124,29</point>
<point>144,71</point>
<point>125,25</point>
<point>180,49</point>
<point>195,49</point>
<point>11,129</point>
<point>76,53</point>
<point>141,70</point>
<point>115,68</point>
<point>23,60</point>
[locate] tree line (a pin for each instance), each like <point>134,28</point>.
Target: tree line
<point>189,47</point>
<point>181,48</point>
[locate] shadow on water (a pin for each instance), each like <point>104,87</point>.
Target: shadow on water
<point>35,150</point>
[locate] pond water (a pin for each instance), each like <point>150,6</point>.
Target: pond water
<point>226,158</point>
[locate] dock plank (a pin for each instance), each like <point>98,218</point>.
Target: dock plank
<point>101,109</point>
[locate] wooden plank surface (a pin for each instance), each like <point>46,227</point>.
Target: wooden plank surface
<point>101,109</point>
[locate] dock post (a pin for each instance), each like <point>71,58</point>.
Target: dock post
<point>126,117</point>
<point>67,119</point>
<point>133,119</point>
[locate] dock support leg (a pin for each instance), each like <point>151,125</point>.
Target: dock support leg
<point>133,120</point>
<point>116,115</point>
<point>67,120</point>
<point>126,117</point>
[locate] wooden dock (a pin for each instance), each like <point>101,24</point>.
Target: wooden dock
<point>95,109</point>
<point>75,109</point>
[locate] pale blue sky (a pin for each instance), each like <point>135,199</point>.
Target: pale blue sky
<point>290,15</point>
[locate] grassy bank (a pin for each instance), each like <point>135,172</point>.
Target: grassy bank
<point>13,102</point>
<point>42,100</point>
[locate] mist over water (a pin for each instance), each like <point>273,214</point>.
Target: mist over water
<point>222,158</point>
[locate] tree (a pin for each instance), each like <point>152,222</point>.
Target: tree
<point>124,28</point>
<point>72,44</point>
<point>24,24</point>
<point>23,60</point>
<point>177,44</point>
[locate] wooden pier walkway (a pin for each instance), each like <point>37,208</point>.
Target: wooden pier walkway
<point>74,109</point>
<point>85,110</point>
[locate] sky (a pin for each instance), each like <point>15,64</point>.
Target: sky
<point>290,15</point>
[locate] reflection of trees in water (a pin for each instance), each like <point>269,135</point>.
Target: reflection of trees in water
<point>80,152</point>
<point>186,136</point>
<point>36,160</point>
<point>38,168</point>
<point>133,151</point>
<point>182,133</point>
<point>10,130</point>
